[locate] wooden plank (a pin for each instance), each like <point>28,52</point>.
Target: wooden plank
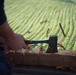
<point>10,57</point>
<point>18,58</point>
<point>31,59</point>
<point>66,59</point>
<point>63,58</point>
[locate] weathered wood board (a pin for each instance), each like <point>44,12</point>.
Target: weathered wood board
<point>64,58</point>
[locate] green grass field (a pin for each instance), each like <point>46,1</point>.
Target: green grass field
<point>33,18</point>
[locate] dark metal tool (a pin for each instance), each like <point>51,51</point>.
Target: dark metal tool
<point>52,43</point>
<point>35,41</point>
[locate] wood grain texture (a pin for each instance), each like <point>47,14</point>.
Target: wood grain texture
<point>66,59</point>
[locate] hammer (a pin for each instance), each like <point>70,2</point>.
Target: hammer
<point>52,43</point>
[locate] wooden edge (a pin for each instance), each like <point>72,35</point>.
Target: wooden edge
<point>66,59</point>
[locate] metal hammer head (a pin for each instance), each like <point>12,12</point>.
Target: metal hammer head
<point>52,42</point>
<point>52,48</point>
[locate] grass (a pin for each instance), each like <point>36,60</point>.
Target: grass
<point>25,17</point>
